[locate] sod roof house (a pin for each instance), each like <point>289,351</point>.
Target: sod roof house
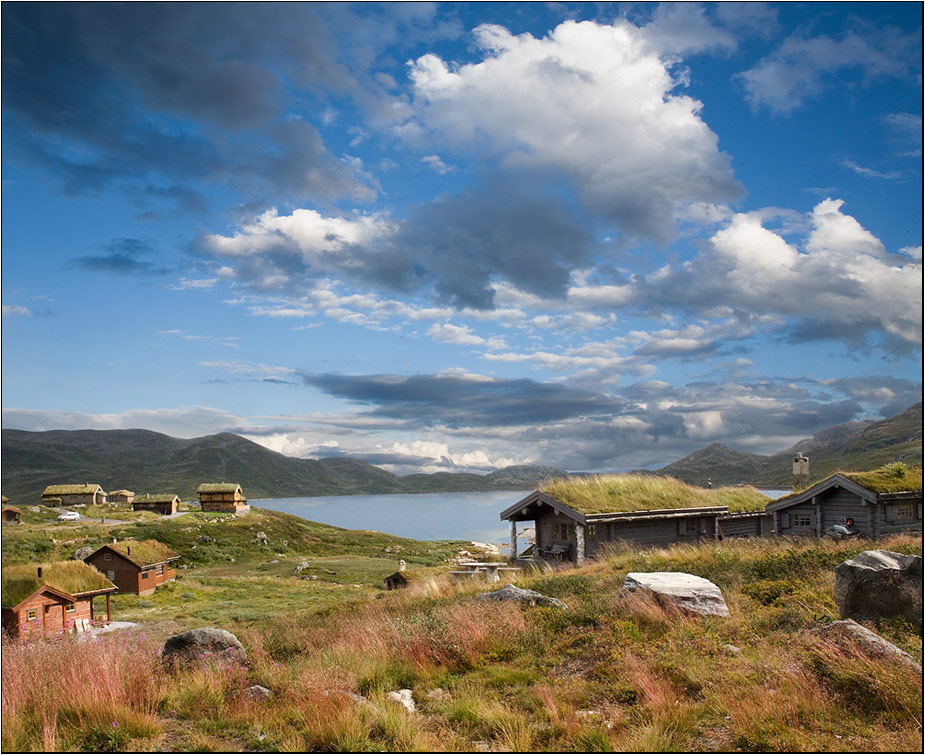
<point>120,496</point>
<point>136,566</point>
<point>870,504</point>
<point>159,503</point>
<point>73,495</point>
<point>575,516</point>
<point>222,496</point>
<point>52,597</point>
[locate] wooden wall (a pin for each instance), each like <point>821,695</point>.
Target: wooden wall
<point>50,616</point>
<point>128,576</point>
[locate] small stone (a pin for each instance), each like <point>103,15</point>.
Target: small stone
<point>256,692</point>
<point>519,595</point>
<point>404,698</point>
<point>730,650</point>
<point>300,567</point>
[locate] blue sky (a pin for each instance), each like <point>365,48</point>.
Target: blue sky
<point>462,236</point>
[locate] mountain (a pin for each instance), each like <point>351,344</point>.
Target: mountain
<point>849,446</point>
<point>146,461</point>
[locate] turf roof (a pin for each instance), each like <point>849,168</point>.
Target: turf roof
<point>889,479</point>
<point>217,487</point>
<point>606,494</point>
<point>155,498</point>
<point>143,552</point>
<point>70,489</point>
<point>72,577</point>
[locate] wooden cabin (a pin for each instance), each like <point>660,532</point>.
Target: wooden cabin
<point>646,510</point>
<point>159,503</point>
<point>11,515</point>
<point>44,599</point>
<point>73,495</point>
<point>120,496</point>
<point>226,497</point>
<point>136,566</point>
<point>869,504</point>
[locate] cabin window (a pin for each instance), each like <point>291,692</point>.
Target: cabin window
<point>69,607</point>
<point>592,532</point>
<point>107,557</point>
<point>562,531</point>
<point>110,575</point>
<point>905,511</point>
<point>159,569</point>
<point>144,575</point>
<point>690,525</point>
<point>31,614</point>
<point>802,520</point>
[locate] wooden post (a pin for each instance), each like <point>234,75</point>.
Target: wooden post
<point>108,615</point>
<point>91,609</point>
<point>513,540</point>
<point>579,544</point>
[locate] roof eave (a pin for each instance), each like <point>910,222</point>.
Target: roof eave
<point>539,497</point>
<point>835,480</point>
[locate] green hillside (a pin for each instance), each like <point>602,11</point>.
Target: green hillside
<point>146,461</point>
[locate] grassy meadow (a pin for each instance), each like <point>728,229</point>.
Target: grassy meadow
<point>607,675</point>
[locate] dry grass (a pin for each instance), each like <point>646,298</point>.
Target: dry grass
<point>600,494</point>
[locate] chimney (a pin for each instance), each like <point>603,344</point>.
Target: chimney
<point>40,572</point>
<point>800,471</point>
<point>128,550</point>
<point>114,540</point>
<point>401,564</point>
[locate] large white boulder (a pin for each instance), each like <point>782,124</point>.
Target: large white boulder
<point>684,591</point>
<point>880,584</point>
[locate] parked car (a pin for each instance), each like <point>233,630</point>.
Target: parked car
<point>68,516</point>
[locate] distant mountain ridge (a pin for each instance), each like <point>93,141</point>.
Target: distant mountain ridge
<point>850,446</point>
<point>146,461</point>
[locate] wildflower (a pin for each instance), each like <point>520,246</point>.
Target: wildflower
<point>115,724</point>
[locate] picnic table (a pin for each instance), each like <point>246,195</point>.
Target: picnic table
<point>490,570</point>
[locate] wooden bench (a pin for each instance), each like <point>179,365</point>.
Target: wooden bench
<point>557,551</point>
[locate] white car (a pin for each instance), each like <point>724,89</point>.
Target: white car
<point>69,516</point>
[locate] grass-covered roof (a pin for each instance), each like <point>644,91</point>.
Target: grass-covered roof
<point>155,498</point>
<point>71,577</point>
<point>71,489</point>
<point>144,552</point>
<point>217,487</point>
<point>606,494</point>
<point>892,478</point>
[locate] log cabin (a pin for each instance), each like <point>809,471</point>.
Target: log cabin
<point>136,566</point>
<point>159,503</point>
<point>226,497</point>
<point>120,496</point>
<point>50,598</point>
<point>73,495</point>
<point>11,515</point>
<point>575,517</point>
<point>869,504</point>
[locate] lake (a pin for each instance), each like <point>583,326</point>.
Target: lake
<point>421,516</point>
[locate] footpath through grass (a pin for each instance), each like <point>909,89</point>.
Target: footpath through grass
<point>603,676</point>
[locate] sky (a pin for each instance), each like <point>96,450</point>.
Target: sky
<point>456,237</point>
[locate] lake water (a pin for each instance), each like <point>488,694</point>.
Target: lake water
<point>421,516</point>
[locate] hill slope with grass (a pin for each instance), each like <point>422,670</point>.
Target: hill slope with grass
<point>853,445</point>
<point>146,461</point>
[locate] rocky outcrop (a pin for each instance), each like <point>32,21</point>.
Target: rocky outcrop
<point>203,645</point>
<point>81,553</point>
<point>849,632</point>
<point>404,698</point>
<point>686,592</point>
<point>519,595</point>
<point>880,584</point>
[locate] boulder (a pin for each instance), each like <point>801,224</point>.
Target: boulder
<point>880,584</point>
<point>81,553</point>
<point>870,643</point>
<point>519,595</point>
<point>687,592</point>
<point>207,643</point>
<point>258,693</point>
<point>404,698</point>
<point>300,567</point>
<point>262,538</point>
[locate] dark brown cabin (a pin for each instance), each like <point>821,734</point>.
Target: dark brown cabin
<point>51,598</point>
<point>159,503</point>
<point>136,566</point>
<point>226,497</point>
<point>120,496</point>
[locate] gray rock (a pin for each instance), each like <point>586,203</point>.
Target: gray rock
<point>203,645</point>
<point>519,595</point>
<point>871,643</point>
<point>256,692</point>
<point>730,650</point>
<point>81,553</point>
<point>880,584</point>
<point>404,698</point>
<point>300,567</point>
<point>262,538</point>
<point>684,591</point>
